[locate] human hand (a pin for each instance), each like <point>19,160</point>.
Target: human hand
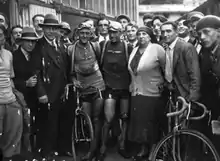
<point>43,99</point>
<point>32,81</point>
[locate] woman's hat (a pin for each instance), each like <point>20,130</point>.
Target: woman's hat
<point>50,20</point>
<point>28,33</point>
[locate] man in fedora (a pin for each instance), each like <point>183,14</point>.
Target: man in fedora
<point>51,61</point>
<point>25,79</point>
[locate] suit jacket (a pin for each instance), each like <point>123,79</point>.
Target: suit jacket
<point>186,71</point>
<point>23,70</point>
<point>52,65</point>
<point>210,71</point>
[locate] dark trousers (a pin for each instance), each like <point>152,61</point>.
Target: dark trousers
<point>48,122</point>
<point>66,121</point>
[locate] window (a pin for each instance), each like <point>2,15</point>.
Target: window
<point>89,4</point>
<point>82,4</point>
<point>118,7</point>
<point>102,6</point>
<point>113,8</point>
<point>122,6</point>
<point>66,2</point>
<point>74,3</point>
<point>109,7</point>
<point>96,5</point>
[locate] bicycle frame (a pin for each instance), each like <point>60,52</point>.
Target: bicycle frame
<point>177,123</point>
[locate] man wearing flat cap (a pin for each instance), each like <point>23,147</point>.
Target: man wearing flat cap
<point>113,62</point>
<point>208,32</point>
<point>25,79</point>
<point>51,80</point>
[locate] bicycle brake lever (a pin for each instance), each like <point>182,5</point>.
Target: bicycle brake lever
<point>210,117</point>
<point>189,110</point>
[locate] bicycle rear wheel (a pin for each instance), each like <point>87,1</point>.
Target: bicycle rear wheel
<point>82,132</point>
<point>185,145</point>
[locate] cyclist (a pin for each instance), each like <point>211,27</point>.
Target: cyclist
<point>85,72</point>
<point>113,62</point>
<point>208,32</point>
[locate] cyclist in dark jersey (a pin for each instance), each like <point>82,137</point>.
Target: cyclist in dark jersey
<point>114,59</point>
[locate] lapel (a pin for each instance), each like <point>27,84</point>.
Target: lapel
<point>51,52</point>
<point>131,58</point>
<point>176,53</point>
<point>22,57</point>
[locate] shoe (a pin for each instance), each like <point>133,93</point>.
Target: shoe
<point>88,157</point>
<point>124,153</point>
<point>100,157</point>
<point>65,153</point>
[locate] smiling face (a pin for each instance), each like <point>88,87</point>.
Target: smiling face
<point>50,32</point>
<point>168,33</point>
<point>208,37</point>
<point>183,30</point>
<point>84,35</point>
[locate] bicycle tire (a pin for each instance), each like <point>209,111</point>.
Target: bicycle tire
<point>181,133</point>
<point>85,117</point>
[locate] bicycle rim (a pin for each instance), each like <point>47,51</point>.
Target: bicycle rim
<point>185,145</point>
<point>82,133</point>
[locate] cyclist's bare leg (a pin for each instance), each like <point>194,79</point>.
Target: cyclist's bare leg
<point>97,107</point>
<point>86,106</point>
<point>124,107</point>
<point>109,111</point>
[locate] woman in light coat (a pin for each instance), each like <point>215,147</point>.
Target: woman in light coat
<point>146,66</point>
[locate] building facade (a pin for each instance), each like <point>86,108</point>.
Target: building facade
<point>172,9</point>
<point>72,11</point>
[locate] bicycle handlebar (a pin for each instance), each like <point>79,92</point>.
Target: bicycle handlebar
<point>185,106</point>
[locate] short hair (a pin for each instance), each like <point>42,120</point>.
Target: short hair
<point>104,18</point>
<point>173,23</point>
<point>37,15</point>
<point>16,26</point>
<point>160,17</point>
<point>148,16</point>
<point>132,25</point>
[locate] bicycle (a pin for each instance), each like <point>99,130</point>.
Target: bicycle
<point>174,146</point>
<point>82,129</point>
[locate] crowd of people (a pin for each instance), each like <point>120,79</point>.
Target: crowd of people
<point>134,67</point>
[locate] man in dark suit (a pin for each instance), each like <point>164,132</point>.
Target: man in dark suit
<point>182,63</point>
<point>25,79</point>
<point>208,32</point>
<point>182,71</point>
<point>52,79</point>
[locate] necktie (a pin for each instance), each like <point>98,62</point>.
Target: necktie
<point>169,66</point>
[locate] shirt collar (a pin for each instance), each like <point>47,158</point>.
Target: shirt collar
<point>172,45</point>
<point>26,54</point>
<point>49,41</point>
<point>186,39</point>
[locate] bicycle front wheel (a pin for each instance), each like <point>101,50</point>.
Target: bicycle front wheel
<point>82,132</point>
<point>185,145</point>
